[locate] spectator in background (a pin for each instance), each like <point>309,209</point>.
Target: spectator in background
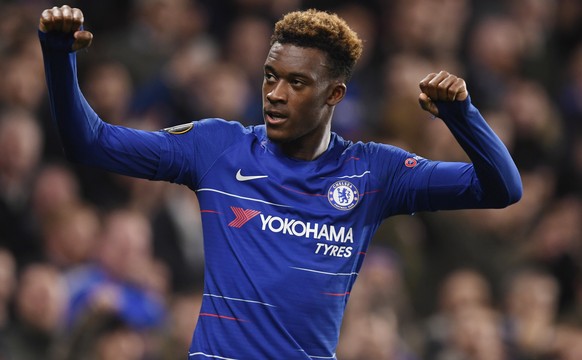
<point>225,92</point>
<point>157,30</point>
<point>247,42</point>
<point>20,87</point>
<point>569,103</point>
<point>495,52</point>
<point>110,87</point>
<point>183,308</point>
<point>408,28</point>
<point>535,20</point>
<point>55,187</point>
<point>555,244</point>
<point>399,117</point>
<point>539,136</point>
<point>20,146</point>
<point>161,100</point>
<point>569,343</point>
<point>378,314</point>
<point>69,235</point>
<point>174,215</point>
<point>7,287</point>
<point>40,302</point>
<point>177,228</point>
<point>475,335</point>
<point>124,277</point>
<point>531,305</point>
<point>105,335</point>
<point>359,108</point>
<point>464,296</point>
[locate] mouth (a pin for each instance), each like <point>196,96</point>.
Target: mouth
<point>273,117</point>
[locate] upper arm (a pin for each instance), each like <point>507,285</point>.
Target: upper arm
<point>171,155</point>
<point>414,184</point>
<point>192,151</point>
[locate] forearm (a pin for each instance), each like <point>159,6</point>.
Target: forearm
<point>86,138</point>
<point>77,123</point>
<point>493,179</point>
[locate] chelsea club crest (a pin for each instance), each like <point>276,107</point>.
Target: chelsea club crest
<point>343,195</point>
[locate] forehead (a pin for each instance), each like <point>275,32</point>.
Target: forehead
<point>297,59</point>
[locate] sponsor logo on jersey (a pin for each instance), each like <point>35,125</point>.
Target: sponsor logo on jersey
<point>412,161</point>
<point>307,229</point>
<point>337,239</point>
<point>241,177</point>
<point>242,216</point>
<point>179,129</point>
<point>343,195</point>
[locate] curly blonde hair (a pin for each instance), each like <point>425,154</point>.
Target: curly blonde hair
<point>324,31</point>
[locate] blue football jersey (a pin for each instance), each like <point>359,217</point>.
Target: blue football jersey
<point>284,238</point>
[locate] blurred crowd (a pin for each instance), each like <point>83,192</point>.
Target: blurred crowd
<point>99,266</point>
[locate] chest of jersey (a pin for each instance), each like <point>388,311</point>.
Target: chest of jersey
<point>316,206</point>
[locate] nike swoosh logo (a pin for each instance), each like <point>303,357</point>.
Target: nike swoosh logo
<point>241,177</point>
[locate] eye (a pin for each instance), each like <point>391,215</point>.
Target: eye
<point>296,82</point>
<point>269,77</point>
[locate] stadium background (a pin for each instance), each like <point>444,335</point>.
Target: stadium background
<point>491,284</point>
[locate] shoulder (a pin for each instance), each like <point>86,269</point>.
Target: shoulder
<point>372,149</point>
<point>210,129</point>
<point>385,156</point>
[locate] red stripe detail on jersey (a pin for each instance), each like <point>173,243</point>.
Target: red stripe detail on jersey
<point>209,211</point>
<point>222,317</point>
<point>299,192</point>
<point>337,294</point>
<point>242,216</point>
<point>370,192</point>
<point>352,158</point>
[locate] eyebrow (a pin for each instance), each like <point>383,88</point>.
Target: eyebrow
<point>291,74</point>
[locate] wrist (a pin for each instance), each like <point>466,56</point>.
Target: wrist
<point>450,110</point>
<point>53,41</point>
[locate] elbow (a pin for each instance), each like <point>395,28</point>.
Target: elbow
<point>85,147</point>
<point>512,193</point>
<point>82,153</point>
<point>514,189</point>
<point>504,190</point>
<point>74,153</point>
<point>500,193</point>
<point>73,157</point>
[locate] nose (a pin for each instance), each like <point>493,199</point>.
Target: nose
<point>277,93</point>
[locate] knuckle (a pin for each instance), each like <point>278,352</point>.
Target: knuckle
<point>77,14</point>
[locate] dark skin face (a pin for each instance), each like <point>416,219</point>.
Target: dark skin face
<point>299,97</point>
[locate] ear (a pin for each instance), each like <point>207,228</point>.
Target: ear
<point>338,91</point>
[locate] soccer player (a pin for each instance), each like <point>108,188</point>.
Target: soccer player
<point>288,207</point>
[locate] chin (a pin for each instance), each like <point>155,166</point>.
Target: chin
<point>277,136</point>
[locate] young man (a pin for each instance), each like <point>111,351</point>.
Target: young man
<point>288,207</point>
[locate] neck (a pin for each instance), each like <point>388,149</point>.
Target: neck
<point>308,148</point>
